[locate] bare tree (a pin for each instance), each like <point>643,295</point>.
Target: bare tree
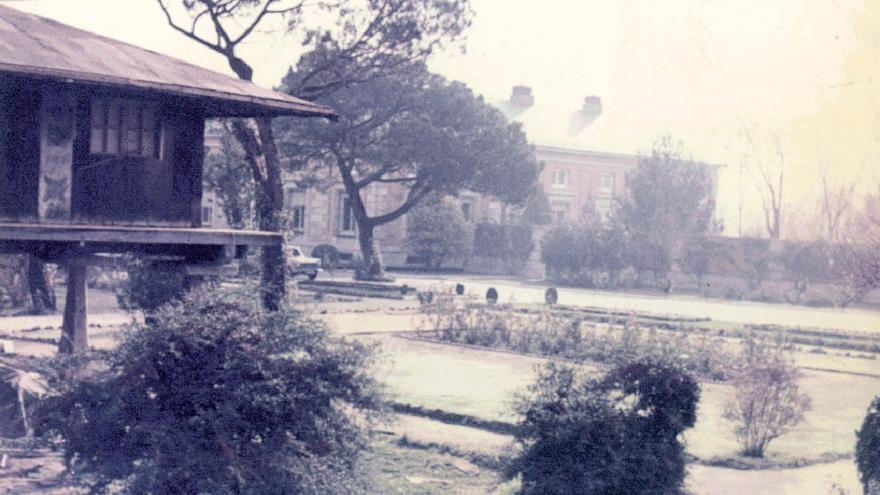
<point>770,180</point>
<point>857,255</point>
<point>837,200</point>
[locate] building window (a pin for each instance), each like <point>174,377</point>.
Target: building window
<point>467,211</point>
<point>123,128</point>
<point>298,218</point>
<point>296,205</point>
<point>347,224</point>
<point>560,177</point>
<point>603,209</point>
<point>606,182</point>
<point>207,215</point>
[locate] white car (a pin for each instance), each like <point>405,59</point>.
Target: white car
<point>299,263</point>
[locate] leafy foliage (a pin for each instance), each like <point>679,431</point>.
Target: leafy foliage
<point>671,199</point>
<point>411,128</point>
<point>505,241</point>
<point>227,175</point>
<point>437,230</point>
<point>217,396</point>
<point>697,258</point>
<point>536,210</point>
<point>580,255</point>
<point>148,288</point>
<point>370,40</point>
<point>13,280</point>
<point>605,436</point>
<point>766,401</point>
<point>868,446</point>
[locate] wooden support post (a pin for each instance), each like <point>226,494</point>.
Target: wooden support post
<point>74,329</point>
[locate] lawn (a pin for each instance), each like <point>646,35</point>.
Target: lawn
<point>389,468</point>
<point>483,383</point>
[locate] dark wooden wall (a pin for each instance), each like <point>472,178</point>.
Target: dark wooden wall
<point>117,190</point>
<point>138,190</point>
<point>19,151</point>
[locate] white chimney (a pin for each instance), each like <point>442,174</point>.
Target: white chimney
<point>521,97</point>
<point>592,106</point>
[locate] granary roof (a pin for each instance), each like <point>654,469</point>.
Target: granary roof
<point>33,46</point>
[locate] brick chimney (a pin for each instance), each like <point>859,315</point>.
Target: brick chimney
<point>521,97</point>
<point>592,106</point>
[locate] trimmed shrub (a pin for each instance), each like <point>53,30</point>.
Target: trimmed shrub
<point>605,436</point>
<point>217,396</point>
<point>437,231</point>
<point>868,448</point>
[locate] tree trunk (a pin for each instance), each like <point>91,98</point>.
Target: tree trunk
<point>372,269</point>
<point>40,287</point>
<point>74,329</point>
<point>262,156</point>
<point>272,281</point>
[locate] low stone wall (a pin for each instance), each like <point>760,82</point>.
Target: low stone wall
<point>772,289</point>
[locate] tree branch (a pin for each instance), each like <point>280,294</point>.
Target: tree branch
<point>415,195</point>
<point>189,34</point>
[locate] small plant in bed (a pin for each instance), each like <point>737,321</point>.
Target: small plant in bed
<point>551,334</point>
<point>766,401</point>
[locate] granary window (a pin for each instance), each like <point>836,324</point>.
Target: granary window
<point>123,128</point>
<point>207,215</point>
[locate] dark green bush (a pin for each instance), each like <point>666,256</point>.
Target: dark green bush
<point>562,250</point>
<point>868,446</point>
<point>605,436</point>
<point>216,396</point>
<point>503,241</point>
<point>587,257</point>
<point>148,288</point>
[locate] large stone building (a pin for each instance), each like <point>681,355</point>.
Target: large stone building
<point>586,161</point>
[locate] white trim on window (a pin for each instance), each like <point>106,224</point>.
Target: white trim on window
<point>560,177</point>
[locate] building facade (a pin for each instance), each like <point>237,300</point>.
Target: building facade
<point>582,181</point>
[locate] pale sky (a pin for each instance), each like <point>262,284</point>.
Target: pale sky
<point>700,70</point>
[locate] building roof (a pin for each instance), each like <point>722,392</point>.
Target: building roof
<point>33,46</point>
<point>563,118</point>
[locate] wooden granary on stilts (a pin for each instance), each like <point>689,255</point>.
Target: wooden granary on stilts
<point>101,148</point>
